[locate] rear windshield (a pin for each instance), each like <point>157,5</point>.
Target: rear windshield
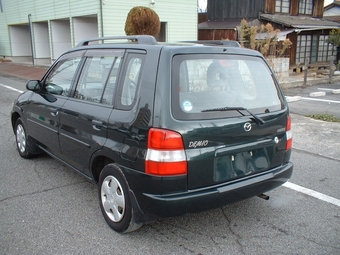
<point>202,82</point>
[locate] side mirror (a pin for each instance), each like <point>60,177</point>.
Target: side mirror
<point>34,85</point>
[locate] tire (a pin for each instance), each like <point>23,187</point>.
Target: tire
<point>114,199</point>
<point>24,144</point>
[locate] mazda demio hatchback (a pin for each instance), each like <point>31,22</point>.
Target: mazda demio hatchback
<point>161,129</point>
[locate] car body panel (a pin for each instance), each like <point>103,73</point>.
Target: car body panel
<point>83,130</point>
<point>231,154</point>
<point>43,120</point>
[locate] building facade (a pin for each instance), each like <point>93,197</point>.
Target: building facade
<point>301,21</point>
<point>41,30</point>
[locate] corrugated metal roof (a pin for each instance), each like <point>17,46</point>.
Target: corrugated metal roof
<point>299,21</point>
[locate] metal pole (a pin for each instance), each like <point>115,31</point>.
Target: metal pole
<point>31,37</point>
<point>305,70</point>
<point>331,65</point>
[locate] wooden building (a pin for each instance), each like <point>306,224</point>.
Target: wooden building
<point>299,20</point>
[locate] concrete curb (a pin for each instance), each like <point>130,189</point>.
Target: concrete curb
<point>293,99</point>
<point>317,94</point>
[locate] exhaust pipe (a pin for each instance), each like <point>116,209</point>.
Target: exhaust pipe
<point>263,196</point>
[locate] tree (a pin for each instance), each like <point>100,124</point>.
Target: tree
<point>269,46</point>
<point>334,37</point>
<point>142,21</point>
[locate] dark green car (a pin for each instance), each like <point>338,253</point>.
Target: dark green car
<point>162,129</point>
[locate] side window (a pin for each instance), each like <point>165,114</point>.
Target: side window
<point>130,80</point>
<point>97,82</point>
<point>60,80</point>
<point>111,82</point>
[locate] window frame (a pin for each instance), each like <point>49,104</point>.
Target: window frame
<point>129,55</point>
<point>306,7</point>
<point>62,59</point>
<point>305,47</point>
<point>176,88</point>
<point>87,60</point>
<point>279,8</point>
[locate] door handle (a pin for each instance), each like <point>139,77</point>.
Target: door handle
<point>54,113</point>
<point>97,124</point>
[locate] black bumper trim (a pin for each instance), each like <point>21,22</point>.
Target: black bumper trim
<point>205,199</point>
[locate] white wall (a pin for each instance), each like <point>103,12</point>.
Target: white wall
<point>41,40</point>
<point>84,28</point>
<point>61,37</point>
<point>20,40</point>
<point>180,16</point>
<point>70,21</point>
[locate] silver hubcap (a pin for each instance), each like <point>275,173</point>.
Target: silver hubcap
<point>21,138</point>
<point>112,198</point>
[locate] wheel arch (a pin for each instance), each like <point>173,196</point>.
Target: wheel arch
<point>15,116</point>
<point>97,165</point>
<point>102,159</point>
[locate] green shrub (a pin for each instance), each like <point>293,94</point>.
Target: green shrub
<point>324,117</point>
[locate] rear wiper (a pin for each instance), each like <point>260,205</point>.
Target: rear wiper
<point>257,119</point>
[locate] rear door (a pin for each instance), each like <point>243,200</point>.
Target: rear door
<point>235,117</point>
<point>43,112</point>
<point>84,117</point>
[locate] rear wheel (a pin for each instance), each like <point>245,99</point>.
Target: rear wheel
<point>115,202</point>
<point>24,144</point>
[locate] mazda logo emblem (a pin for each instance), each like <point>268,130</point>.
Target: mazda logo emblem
<point>247,127</point>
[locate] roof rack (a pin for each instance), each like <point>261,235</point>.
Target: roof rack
<point>226,43</point>
<point>140,39</point>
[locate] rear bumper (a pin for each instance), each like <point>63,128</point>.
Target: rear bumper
<point>213,197</point>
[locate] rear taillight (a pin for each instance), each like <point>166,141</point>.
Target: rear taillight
<point>165,155</point>
<point>289,135</point>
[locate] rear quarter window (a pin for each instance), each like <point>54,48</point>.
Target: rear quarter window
<point>204,81</point>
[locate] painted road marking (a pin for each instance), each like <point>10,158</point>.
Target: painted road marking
<point>321,100</point>
<point>312,193</point>
<point>289,185</point>
<point>8,87</point>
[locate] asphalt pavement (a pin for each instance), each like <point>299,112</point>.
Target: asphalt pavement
<point>47,209</point>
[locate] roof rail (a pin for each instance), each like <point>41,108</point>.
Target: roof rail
<point>217,42</point>
<point>140,39</point>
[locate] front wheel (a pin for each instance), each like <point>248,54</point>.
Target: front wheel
<point>114,198</point>
<point>23,143</point>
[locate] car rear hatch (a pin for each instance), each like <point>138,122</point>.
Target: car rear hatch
<point>232,114</point>
<point>237,148</point>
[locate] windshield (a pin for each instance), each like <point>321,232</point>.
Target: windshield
<point>204,81</point>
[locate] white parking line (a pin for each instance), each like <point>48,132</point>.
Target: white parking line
<point>8,87</point>
<point>321,100</point>
<point>289,185</point>
<point>312,193</point>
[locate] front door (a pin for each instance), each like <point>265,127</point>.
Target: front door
<point>43,112</point>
